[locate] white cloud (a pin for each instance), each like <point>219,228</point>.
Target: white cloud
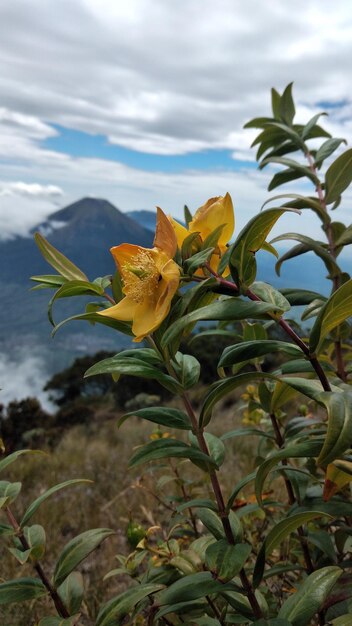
<point>166,77</point>
<point>159,77</point>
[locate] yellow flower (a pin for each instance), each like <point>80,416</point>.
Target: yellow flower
<point>215,212</point>
<point>150,278</point>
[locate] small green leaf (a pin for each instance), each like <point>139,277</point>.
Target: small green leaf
<point>35,537</point>
<point>38,501</point>
<point>231,309</point>
<point>215,446</point>
<point>57,260</point>
<point>287,107</point>
<point>11,458</point>
<point>267,293</point>
<point>9,491</point>
<point>253,349</point>
<point>306,602</point>
<point>165,416</point>
<point>190,588</point>
<point>312,122</point>
<point>77,550</point>
<point>118,607</point>
<point>168,448</point>
<point>338,177</point>
<point>95,318</point>
<point>339,436</point>
<point>198,260</point>
<point>71,592</point>
<point>226,560</point>
<point>300,450</point>
<point>48,280</point>
<point>122,364</point>
<point>21,589</point>
<point>327,148</point>
<point>275,537</point>
<point>187,368</point>
<point>336,310</point>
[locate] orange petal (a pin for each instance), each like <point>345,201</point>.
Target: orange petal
<point>213,213</point>
<point>165,238</point>
<point>123,311</point>
<point>125,253</point>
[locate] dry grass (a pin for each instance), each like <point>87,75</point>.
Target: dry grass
<point>100,452</point>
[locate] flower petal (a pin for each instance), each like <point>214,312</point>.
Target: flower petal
<point>213,213</point>
<point>125,253</point>
<point>123,311</point>
<point>180,231</point>
<point>152,311</point>
<point>165,238</point>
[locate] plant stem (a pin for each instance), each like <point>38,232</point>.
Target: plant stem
<point>221,506</point>
<point>291,496</point>
<point>284,325</point>
<point>59,605</point>
<point>336,280</point>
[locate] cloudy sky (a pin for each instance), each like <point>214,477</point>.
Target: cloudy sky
<point>143,102</point>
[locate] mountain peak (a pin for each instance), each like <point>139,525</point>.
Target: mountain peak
<point>82,207</point>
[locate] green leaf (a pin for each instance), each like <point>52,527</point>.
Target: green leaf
<point>254,234</point>
<point>275,537</point>
<point>48,280</point>
<point>165,416</point>
<point>35,537</point>
<point>310,597</point>
<point>241,432</point>
<point>343,620</point>
<point>190,588</point>
<point>198,260</point>
<point>336,310</point>
<point>294,166</point>
<point>230,309</point>
<point>326,149</point>
<point>117,608</point>
<point>286,176</point>
<point>95,318</point>
<point>219,389</point>
<point>122,364</point>
<point>248,350</point>
<point>307,245</point>
<point>71,592</point>
<point>168,448</point>
<point>345,237</point>
<point>312,122</point>
<point>9,492</point>
<point>338,177</point>
<point>187,368</point>
<point>21,589</point>
<point>226,560</point>
<point>74,288</point>
<point>215,446</point>
<point>300,450</point>
<point>299,297</point>
<point>11,458</point>
<point>57,260</point>
<point>287,107</point>
<point>187,214</point>
<point>211,520</point>
<point>339,435</point>
<point>38,501</point>
<point>77,550</point>
<point>302,202</point>
<point>267,293</point>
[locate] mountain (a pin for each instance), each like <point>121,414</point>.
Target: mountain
<point>84,231</point>
<point>144,218</point>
